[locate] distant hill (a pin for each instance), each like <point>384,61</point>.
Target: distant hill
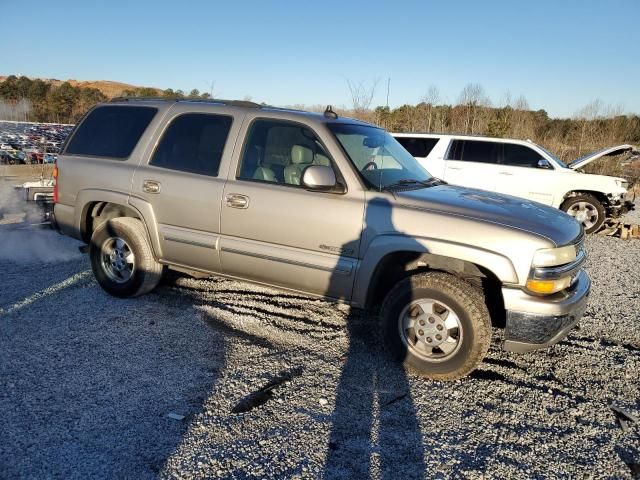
<point>107,87</point>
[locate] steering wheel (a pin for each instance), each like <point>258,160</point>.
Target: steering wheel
<point>369,166</point>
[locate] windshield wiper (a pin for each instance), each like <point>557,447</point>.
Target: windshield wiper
<point>432,182</point>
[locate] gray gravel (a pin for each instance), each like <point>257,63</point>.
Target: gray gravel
<point>87,382</point>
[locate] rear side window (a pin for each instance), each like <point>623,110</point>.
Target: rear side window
<point>193,143</point>
<point>520,156</point>
<point>474,151</point>
<point>418,147</point>
<point>110,131</point>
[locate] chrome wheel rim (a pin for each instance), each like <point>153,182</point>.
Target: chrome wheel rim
<point>118,260</point>
<point>585,213</point>
<point>431,330</point>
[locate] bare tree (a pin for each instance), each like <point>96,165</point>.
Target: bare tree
<point>586,115</point>
<point>471,98</point>
<point>362,96</point>
<point>431,99</point>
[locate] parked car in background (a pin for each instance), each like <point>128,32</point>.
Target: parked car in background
<point>329,206</point>
<point>523,169</point>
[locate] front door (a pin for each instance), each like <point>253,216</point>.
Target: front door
<point>277,232</point>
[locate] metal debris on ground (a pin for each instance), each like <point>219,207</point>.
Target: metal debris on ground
<point>175,416</point>
<point>265,393</point>
<point>617,228</point>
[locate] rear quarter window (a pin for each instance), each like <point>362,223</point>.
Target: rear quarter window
<point>417,147</point>
<point>110,131</point>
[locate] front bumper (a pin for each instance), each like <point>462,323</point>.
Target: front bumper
<point>539,322</point>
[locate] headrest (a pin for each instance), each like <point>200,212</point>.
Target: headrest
<point>321,160</point>
<point>300,154</point>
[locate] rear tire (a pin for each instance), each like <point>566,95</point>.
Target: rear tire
<point>587,210</point>
<point>121,258</point>
<point>437,325</point>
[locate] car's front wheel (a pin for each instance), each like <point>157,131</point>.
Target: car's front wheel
<point>121,258</point>
<point>436,324</point>
<point>587,210</point>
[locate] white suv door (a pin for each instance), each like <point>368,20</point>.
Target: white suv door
<point>521,175</point>
<point>473,163</point>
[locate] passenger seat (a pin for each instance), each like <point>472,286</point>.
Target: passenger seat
<point>301,157</point>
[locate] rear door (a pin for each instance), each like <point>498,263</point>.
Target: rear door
<point>473,163</point>
<point>184,182</point>
<point>521,176</point>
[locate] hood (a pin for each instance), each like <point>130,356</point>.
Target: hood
<point>606,152</point>
<point>496,208</point>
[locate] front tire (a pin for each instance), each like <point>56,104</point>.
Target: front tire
<point>436,324</point>
<point>121,258</point>
<point>587,210</point>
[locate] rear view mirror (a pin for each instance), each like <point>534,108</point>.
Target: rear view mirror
<point>319,177</point>
<point>543,163</point>
<point>373,142</point>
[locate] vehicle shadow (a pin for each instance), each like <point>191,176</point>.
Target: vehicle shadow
<point>375,428</point>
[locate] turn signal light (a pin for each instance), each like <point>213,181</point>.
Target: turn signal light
<point>547,287</point>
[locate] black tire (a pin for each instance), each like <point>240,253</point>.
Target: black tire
<point>145,273</point>
<point>573,205</point>
<point>463,299</point>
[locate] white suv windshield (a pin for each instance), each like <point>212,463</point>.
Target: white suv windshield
<point>555,159</point>
<point>380,159</point>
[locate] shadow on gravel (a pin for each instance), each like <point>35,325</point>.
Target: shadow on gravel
<point>375,430</point>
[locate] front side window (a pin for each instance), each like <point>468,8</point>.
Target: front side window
<point>193,143</point>
<point>381,161</point>
<point>520,156</point>
<point>474,151</point>
<point>278,152</point>
<point>110,131</point>
<point>418,147</point>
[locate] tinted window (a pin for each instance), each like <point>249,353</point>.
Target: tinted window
<point>418,147</point>
<point>279,152</point>
<point>520,156</point>
<point>110,131</point>
<point>474,151</point>
<point>193,143</point>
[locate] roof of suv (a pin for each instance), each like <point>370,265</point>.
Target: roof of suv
<point>463,136</point>
<point>239,104</point>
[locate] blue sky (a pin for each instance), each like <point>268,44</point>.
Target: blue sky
<point>559,54</point>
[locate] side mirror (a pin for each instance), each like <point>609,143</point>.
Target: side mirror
<point>319,177</point>
<point>544,163</point>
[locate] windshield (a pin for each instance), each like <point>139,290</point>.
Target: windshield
<point>555,158</point>
<point>380,159</point>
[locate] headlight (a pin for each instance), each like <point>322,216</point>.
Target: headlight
<point>552,257</point>
<point>547,287</point>
<point>622,184</point>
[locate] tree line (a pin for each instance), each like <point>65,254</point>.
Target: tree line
<point>594,126</point>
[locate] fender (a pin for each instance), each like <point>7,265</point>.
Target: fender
<point>384,245</point>
<point>143,208</point>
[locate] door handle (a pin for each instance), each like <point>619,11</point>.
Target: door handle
<point>506,173</point>
<point>454,168</point>
<point>235,200</point>
<point>151,186</point>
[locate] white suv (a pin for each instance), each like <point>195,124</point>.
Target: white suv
<point>523,169</point>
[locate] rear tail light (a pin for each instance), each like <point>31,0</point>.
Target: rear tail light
<point>55,184</point>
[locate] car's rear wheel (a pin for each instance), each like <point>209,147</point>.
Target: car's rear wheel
<point>121,258</point>
<point>587,210</point>
<point>436,324</point>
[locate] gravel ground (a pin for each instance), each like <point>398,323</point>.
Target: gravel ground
<point>87,384</point>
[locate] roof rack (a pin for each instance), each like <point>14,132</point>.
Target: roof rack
<point>232,103</point>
